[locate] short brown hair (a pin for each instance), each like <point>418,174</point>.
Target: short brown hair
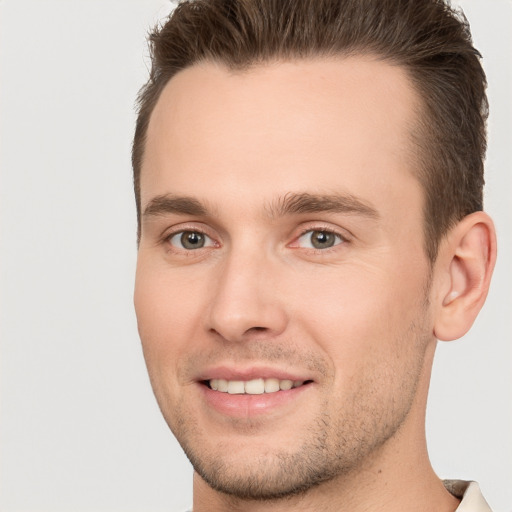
<point>428,38</point>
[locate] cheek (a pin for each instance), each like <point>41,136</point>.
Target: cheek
<point>168,314</point>
<point>361,314</point>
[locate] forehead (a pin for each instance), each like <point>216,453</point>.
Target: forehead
<point>321,123</point>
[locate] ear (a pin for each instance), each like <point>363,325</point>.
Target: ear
<point>463,273</point>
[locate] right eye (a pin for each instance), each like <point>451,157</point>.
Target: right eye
<point>190,240</point>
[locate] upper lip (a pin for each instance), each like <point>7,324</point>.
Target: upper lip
<point>250,373</point>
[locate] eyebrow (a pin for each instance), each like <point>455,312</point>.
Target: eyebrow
<point>319,203</point>
<point>169,203</point>
<point>289,204</point>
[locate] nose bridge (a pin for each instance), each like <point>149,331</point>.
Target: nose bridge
<point>244,299</point>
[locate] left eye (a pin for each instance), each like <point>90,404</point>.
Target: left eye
<point>190,240</point>
<point>318,239</point>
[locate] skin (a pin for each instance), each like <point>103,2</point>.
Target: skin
<point>358,320</point>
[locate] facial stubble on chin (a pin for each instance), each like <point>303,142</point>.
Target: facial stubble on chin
<point>331,447</point>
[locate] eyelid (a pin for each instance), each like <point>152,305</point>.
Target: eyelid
<point>342,234</point>
<point>209,242</point>
<point>178,229</point>
<point>192,228</point>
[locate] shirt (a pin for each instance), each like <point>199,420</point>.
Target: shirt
<point>469,493</point>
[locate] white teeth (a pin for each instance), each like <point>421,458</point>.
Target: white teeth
<point>235,387</point>
<point>271,385</point>
<point>222,385</point>
<point>285,385</point>
<point>254,386</point>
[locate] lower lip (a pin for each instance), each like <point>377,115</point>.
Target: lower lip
<point>244,406</point>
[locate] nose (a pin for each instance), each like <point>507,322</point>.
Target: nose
<point>246,302</point>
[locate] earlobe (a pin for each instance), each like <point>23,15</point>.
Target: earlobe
<point>466,262</point>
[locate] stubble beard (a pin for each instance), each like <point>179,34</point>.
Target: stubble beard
<point>332,447</point>
<point>271,476</point>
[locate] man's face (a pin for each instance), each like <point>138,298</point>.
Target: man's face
<point>282,246</point>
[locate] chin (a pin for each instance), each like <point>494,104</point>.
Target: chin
<point>259,467</point>
<point>271,477</point>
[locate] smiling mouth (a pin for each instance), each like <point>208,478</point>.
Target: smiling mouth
<point>253,386</point>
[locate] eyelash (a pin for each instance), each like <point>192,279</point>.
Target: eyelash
<point>322,229</point>
<point>167,238</point>
<point>192,230</point>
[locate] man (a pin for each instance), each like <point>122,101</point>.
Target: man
<point>309,178</point>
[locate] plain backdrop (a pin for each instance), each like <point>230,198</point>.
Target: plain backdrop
<point>80,429</point>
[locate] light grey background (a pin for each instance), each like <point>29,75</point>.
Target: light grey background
<point>80,430</point>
